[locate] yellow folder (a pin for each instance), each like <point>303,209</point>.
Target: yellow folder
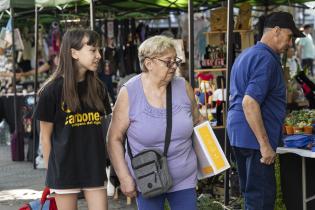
<point>211,158</point>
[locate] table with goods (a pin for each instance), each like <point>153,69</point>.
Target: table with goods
<point>297,160</point>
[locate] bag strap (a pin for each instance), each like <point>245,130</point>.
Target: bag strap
<point>168,118</point>
<point>168,123</point>
<point>43,199</point>
<point>45,193</point>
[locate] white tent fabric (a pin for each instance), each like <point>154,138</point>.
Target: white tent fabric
<point>52,3</point>
<point>311,6</point>
<point>4,4</point>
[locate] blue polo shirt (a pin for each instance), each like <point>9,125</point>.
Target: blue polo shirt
<point>256,72</point>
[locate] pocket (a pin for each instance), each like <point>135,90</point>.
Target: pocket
<point>146,169</point>
<point>144,158</point>
<point>149,183</point>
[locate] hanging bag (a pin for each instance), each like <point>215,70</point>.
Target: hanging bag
<point>150,165</point>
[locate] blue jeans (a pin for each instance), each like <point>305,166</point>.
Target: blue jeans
<point>257,180</point>
<point>179,200</point>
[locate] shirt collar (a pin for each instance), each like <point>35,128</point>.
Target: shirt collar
<point>271,51</point>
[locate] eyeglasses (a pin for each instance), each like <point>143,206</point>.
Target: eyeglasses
<point>169,64</point>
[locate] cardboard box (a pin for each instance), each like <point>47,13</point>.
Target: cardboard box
<point>211,158</point>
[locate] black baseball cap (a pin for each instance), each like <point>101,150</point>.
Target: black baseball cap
<point>282,20</point>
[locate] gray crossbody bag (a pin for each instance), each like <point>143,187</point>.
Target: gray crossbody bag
<point>150,165</point>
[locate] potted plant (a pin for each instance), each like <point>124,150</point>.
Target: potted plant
<point>289,121</point>
<point>298,127</point>
<point>308,128</point>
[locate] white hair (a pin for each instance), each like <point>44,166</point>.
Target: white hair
<point>154,46</point>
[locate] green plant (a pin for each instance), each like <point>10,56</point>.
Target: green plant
<point>300,118</point>
<point>289,121</point>
<point>279,205</point>
<point>166,206</point>
<point>206,202</point>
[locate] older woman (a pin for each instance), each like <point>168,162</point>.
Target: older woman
<point>140,113</point>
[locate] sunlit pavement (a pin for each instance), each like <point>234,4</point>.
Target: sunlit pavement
<point>20,183</point>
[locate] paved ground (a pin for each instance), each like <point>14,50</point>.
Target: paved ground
<point>20,183</point>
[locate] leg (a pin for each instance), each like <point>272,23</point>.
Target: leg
<point>155,203</point>
<point>66,201</point>
<point>240,158</point>
<point>96,198</point>
<point>260,192</point>
<point>183,199</point>
<point>311,67</point>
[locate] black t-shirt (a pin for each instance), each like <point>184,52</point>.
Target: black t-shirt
<point>77,157</point>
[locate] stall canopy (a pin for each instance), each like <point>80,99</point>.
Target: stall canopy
<point>21,4</point>
<point>183,4</point>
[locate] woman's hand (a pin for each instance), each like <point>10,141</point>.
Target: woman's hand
<point>197,117</point>
<point>128,187</point>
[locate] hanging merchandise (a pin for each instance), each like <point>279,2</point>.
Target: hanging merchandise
<point>8,37</point>
<point>180,51</point>
<point>8,34</point>
<point>183,25</point>
<point>120,51</point>
<point>27,38</point>
<point>110,29</point>
<point>110,55</point>
<point>308,88</point>
<point>43,49</point>
<point>201,43</point>
<point>141,32</point>
<point>55,37</point>
<point>3,43</point>
<point>18,40</point>
<point>201,25</point>
<point>130,51</point>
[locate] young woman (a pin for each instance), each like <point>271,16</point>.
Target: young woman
<point>71,105</point>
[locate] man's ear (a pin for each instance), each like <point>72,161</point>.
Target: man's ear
<point>276,30</point>
<point>74,54</point>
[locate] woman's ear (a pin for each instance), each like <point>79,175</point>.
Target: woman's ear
<point>74,54</point>
<point>147,63</point>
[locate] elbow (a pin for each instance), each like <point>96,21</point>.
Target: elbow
<point>249,104</point>
<point>245,104</point>
<point>110,143</point>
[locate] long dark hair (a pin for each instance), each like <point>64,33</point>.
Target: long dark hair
<point>93,96</point>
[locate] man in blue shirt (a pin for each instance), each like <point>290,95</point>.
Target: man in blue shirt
<point>257,109</point>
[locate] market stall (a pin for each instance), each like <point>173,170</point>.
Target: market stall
<point>14,44</point>
<point>219,66</point>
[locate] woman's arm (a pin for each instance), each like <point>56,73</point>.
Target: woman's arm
<point>116,135</point>
<point>46,129</point>
<point>197,117</point>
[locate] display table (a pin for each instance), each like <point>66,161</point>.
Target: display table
<point>287,164</point>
